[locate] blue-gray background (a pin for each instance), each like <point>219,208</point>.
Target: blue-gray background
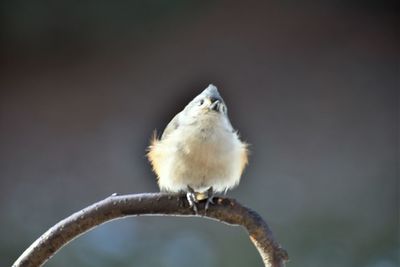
<point>312,86</point>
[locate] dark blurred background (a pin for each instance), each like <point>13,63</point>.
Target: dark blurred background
<point>313,86</point>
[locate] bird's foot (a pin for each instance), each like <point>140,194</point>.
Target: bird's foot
<point>192,199</point>
<point>210,198</point>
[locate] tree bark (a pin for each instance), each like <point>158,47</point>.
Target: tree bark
<point>224,210</point>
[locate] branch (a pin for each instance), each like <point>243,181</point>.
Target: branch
<point>224,210</point>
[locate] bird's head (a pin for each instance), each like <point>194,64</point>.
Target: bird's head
<point>207,102</point>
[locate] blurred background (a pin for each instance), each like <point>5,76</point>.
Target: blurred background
<point>312,86</point>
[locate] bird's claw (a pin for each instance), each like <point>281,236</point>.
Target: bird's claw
<point>194,198</point>
<point>210,198</point>
<point>210,201</point>
<point>191,197</point>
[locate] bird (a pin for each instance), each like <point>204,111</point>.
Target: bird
<point>199,152</point>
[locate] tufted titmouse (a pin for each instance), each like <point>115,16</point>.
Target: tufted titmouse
<point>199,152</point>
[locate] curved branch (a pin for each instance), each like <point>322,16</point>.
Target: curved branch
<point>224,210</point>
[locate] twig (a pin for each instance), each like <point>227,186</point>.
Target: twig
<point>225,210</point>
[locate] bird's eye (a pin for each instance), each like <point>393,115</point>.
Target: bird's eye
<point>201,102</point>
<point>223,108</point>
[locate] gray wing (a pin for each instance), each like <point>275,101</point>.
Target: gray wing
<point>172,125</point>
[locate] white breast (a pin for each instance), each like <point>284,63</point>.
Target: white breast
<point>207,153</point>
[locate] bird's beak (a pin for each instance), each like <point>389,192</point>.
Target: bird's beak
<point>215,104</point>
